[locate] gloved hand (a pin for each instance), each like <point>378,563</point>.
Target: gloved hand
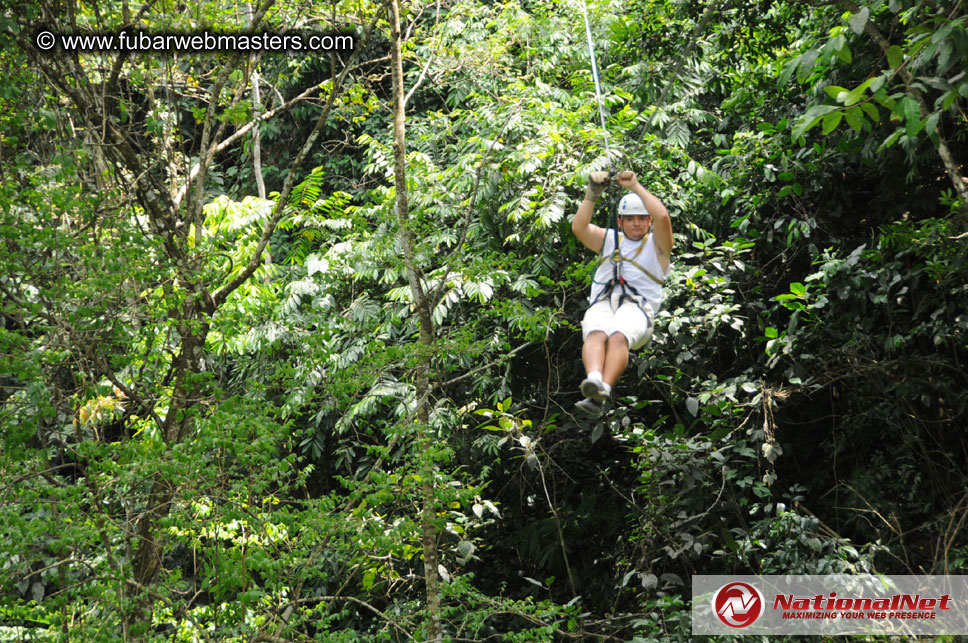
<point>597,182</point>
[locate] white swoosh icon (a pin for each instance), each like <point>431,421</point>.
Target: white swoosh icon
<point>737,606</point>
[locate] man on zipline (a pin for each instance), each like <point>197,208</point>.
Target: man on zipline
<point>627,287</point>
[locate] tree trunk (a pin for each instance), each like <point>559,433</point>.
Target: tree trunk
<point>422,305</point>
<point>257,154</point>
<point>257,137</point>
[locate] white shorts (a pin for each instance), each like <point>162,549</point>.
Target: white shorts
<point>629,319</point>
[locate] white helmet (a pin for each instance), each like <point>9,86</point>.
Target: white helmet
<point>631,203</point>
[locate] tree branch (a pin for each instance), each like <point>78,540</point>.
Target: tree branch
<point>220,295</point>
<point>350,599</point>
<point>485,367</point>
<point>242,131</point>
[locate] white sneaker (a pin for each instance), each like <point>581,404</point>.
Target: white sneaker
<point>594,389</point>
<point>590,407</point>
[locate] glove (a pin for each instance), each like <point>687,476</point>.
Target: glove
<point>597,182</point>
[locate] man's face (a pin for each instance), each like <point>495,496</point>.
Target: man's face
<point>635,226</point>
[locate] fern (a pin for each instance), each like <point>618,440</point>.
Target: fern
<point>307,192</point>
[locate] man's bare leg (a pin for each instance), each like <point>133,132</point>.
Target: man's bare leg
<point>595,390</point>
<point>616,358</point>
<point>593,352</point>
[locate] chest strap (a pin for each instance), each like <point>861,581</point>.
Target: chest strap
<point>617,258</point>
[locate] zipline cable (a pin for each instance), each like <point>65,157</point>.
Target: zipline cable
<point>613,209</point>
<point>598,86</point>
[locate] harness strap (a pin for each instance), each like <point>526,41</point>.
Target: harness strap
<point>646,272</point>
<point>627,288</point>
<point>617,258</point>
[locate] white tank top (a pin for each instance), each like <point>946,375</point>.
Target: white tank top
<point>642,252</point>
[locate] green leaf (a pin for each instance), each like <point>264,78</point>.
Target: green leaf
<point>948,99</point>
<point>859,20</point>
<point>835,91</point>
<point>855,95</point>
<point>844,54</point>
<point>251,596</point>
<point>811,118</point>
<point>855,118</point>
<point>944,57</point>
<point>895,56</point>
<point>761,491</point>
<point>788,68</point>
<point>885,101</point>
<point>692,405</point>
<point>831,121</point>
<point>807,62</point>
<point>465,549</point>
<point>890,140</point>
<point>872,112</point>
<point>912,116</point>
<point>931,123</point>
<point>936,82</point>
<point>833,46</point>
<point>798,289</point>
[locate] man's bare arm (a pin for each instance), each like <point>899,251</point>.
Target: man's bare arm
<point>591,235</point>
<point>661,221</point>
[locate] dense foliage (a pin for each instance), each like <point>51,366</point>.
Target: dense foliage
<point>210,351</point>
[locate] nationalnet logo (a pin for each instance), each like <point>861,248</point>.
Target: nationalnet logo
<point>738,604</point>
<point>898,606</point>
<point>830,605</point>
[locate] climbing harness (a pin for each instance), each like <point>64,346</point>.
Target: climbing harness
<point>628,291</point>
<point>598,86</point>
<point>617,258</point>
